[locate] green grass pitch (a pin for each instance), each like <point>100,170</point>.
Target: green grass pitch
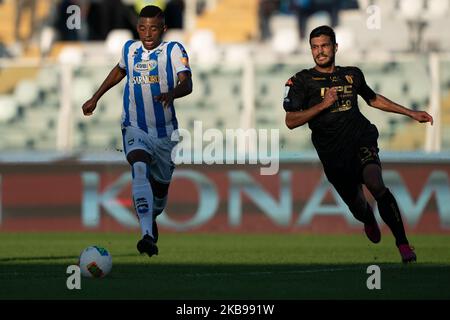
<point>225,266</point>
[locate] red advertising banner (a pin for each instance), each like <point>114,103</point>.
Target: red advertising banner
<point>82,195</point>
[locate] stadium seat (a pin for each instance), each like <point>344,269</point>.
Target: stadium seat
<point>203,48</point>
<point>285,33</point>
<point>82,90</point>
<point>116,39</point>
<point>47,38</point>
<point>47,78</point>
<point>177,35</point>
<point>345,38</point>
<point>411,9</point>
<point>71,55</point>
<point>388,8</point>
<point>110,106</point>
<point>234,55</point>
<point>285,41</point>
<point>433,36</point>
<point>317,19</point>
<point>26,92</point>
<point>8,108</point>
<point>436,9</point>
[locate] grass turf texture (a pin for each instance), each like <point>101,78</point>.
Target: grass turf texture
<point>225,266</point>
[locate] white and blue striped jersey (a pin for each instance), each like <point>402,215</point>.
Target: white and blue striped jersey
<point>150,73</point>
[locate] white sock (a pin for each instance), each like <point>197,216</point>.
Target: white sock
<point>143,197</point>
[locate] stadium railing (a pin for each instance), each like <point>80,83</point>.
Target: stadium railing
<point>42,99</point>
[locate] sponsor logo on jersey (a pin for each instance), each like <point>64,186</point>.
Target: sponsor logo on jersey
<point>334,78</point>
<point>318,78</point>
<point>343,91</point>
<point>145,66</point>
<point>349,79</point>
<point>341,108</point>
<point>185,62</point>
<point>146,79</point>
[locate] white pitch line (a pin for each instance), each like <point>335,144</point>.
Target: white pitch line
<point>257,273</point>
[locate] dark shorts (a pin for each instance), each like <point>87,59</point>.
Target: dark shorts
<point>344,171</point>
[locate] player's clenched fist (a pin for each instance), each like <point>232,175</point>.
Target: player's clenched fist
<point>165,98</point>
<point>422,116</point>
<point>330,97</point>
<point>89,107</point>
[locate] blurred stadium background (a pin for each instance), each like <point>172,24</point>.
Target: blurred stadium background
<point>241,54</point>
<point>48,71</point>
<point>61,171</point>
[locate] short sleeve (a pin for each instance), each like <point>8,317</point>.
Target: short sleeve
<point>363,89</point>
<point>123,59</point>
<point>294,94</point>
<point>180,59</point>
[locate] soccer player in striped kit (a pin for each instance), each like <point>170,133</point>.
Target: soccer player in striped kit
<point>157,73</point>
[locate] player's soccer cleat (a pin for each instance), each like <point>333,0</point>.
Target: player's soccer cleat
<point>407,253</point>
<point>155,230</point>
<point>147,245</point>
<point>373,232</point>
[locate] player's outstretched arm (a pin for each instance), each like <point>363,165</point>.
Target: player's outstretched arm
<point>296,119</point>
<point>113,78</point>
<point>383,103</point>
<point>183,88</point>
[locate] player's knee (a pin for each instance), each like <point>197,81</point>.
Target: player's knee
<point>376,189</point>
<point>160,189</point>
<point>139,173</point>
<point>373,180</point>
<point>138,156</point>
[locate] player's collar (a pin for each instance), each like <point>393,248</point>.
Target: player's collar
<point>336,69</point>
<point>150,51</point>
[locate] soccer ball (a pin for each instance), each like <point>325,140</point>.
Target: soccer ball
<point>95,262</point>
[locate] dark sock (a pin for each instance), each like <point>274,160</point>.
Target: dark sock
<point>370,217</point>
<point>390,213</point>
<point>366,216</point>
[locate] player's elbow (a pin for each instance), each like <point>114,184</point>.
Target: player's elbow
<point>375,102</point>
<point>188,86</point>
<point>290,123</point>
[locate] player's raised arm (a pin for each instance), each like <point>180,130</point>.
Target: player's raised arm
<point>383,103</point>
<point>113,78</point>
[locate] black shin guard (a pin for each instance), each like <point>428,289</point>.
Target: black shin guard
<point>390,213</point>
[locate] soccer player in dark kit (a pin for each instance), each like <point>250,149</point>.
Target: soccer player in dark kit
<point>325,97</point>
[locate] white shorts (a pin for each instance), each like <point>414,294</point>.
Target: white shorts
<point>160,150</point>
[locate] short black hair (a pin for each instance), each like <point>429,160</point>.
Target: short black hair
<point>323,30</point>
<point>151,12</point>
